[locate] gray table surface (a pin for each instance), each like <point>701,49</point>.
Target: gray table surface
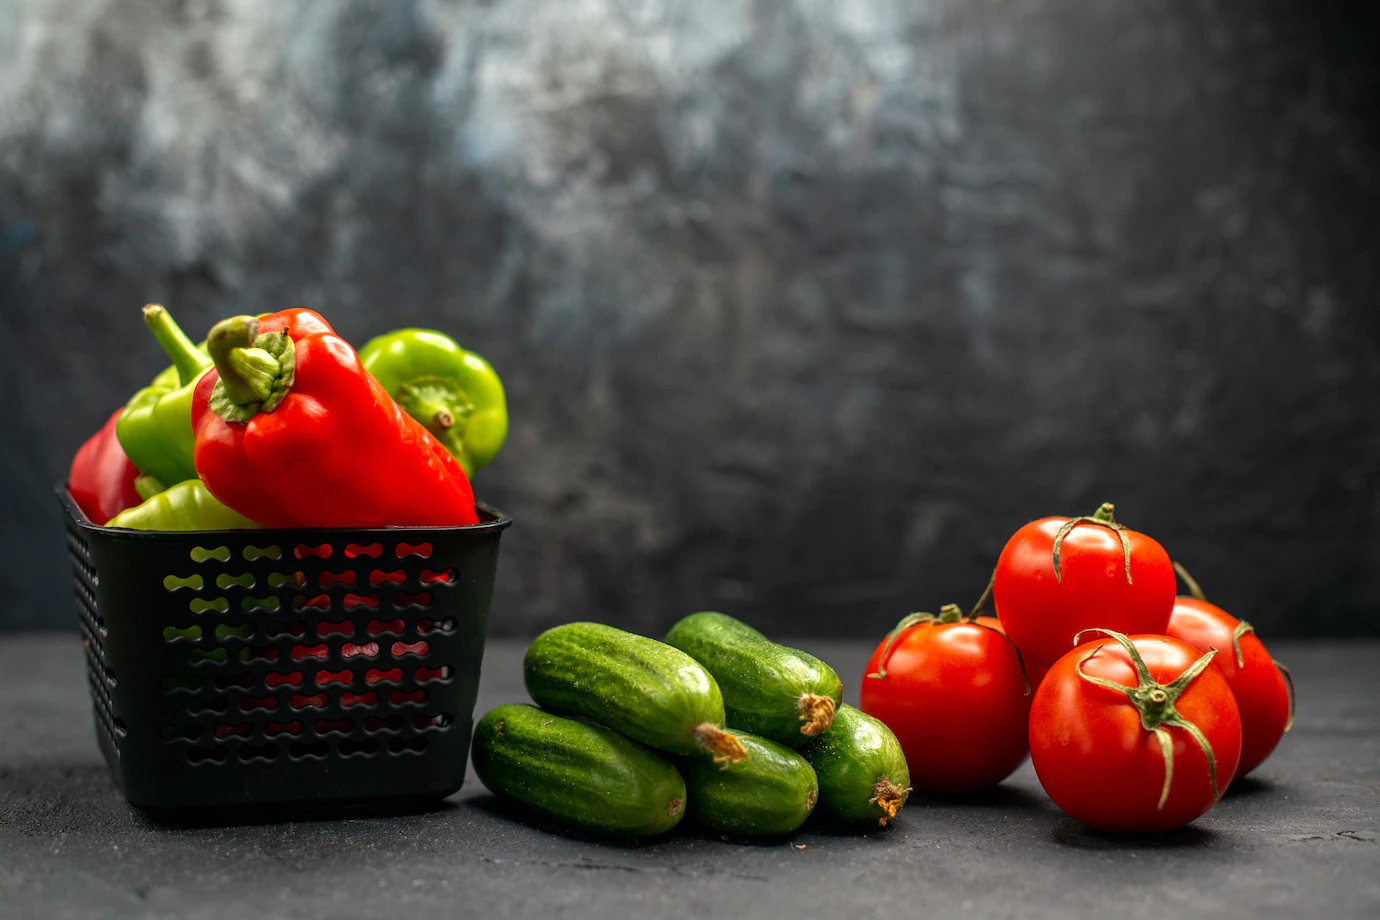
<point>1299,839</point>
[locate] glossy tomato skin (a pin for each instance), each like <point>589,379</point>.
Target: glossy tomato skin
<point>1042,614</point>
<point>954,697</point>
<point>1096,761</point>
<point>1034,673</point>
<point>1261,693</point>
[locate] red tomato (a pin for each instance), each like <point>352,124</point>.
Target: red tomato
<point>1101,765</point>
<point>1099,583</point>
<point>953,694</point>
<point>1034,673</point>
<point>1255,680</point>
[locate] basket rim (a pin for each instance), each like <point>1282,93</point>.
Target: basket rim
<point>498,521</point>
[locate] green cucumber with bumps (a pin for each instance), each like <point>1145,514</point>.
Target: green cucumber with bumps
<point>770,793</point>
<point>770,690</point>
<point>637,686</point>
<point>862,771</point>
<point>582,775</point>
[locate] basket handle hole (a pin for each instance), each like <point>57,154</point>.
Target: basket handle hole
<point>200,554</point>
<point>283,728</point>
<point>326,579</point>
<point>287,579</point>
<point>173,634</point>
<point>225,580</point>
<point>173,583</point>
<point>252,553</point>
<point>391,676</point>
<point>413,549</point>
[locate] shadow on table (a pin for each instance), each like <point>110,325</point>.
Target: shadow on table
<point>263,816</point>
<point>1069,833</point>
<point>1250,787</point>
<point>492,805</point>
<point>1002,797</point>
<point>85,794</point>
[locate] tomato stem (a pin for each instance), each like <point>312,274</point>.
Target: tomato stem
<point>984,598</point>
<point>1155,703</point>
<point>1194,591</point>
<point>907,621</point>
<point>1241,629</point>
<point>1103,517</point>
<point>1288,679</point>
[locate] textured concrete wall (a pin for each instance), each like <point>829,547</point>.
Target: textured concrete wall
<point>803,306</point>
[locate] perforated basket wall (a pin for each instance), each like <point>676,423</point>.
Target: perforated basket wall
<point>311,669</point>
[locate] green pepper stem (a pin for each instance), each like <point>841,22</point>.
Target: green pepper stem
<point>188,360</point>
<point>148,486</point>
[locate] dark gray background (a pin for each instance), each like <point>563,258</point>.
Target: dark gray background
<point>803,307</point>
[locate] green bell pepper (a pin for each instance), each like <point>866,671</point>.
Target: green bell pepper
<point>186,506</point>
<point>453,392</point>
<point>155,429</point>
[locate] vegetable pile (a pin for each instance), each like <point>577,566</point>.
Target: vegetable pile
<point>1138,708</point>
<point>717,725</point>
<point>276,421</point>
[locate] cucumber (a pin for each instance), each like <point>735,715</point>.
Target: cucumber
<point>863,776</point>
<point>582,775</point>
<point>637,686</point>
<point>771,690</point>
<point>772,792</point>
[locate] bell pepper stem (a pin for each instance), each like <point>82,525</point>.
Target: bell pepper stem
<point>148,486</point>
<point>444,409</point>
<point>186,357</point>
<point>256,371</point>
<point>227,337</point>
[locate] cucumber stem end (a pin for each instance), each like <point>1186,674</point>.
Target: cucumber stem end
<point>889,798</point>
<point>817,712</point>
<point>727,749</point>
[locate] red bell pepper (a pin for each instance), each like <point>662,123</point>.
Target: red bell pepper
<point>101,479</point>
<point>292,431</point>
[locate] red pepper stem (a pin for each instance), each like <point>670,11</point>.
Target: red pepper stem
<point>256,371</point>
<point>186,357</point>
<point>245,377</point>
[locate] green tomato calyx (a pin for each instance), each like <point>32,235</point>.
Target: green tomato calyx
<point>1155,703</point>
<point>1102,517</point>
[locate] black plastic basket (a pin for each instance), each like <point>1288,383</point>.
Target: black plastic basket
<point>284,669</point>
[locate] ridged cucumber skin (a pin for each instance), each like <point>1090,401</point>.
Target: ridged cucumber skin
<point>583,775</point>
<point>851,758</point>
<point>762,682</point>
<point>637,686</point>
<point>770,793</point>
